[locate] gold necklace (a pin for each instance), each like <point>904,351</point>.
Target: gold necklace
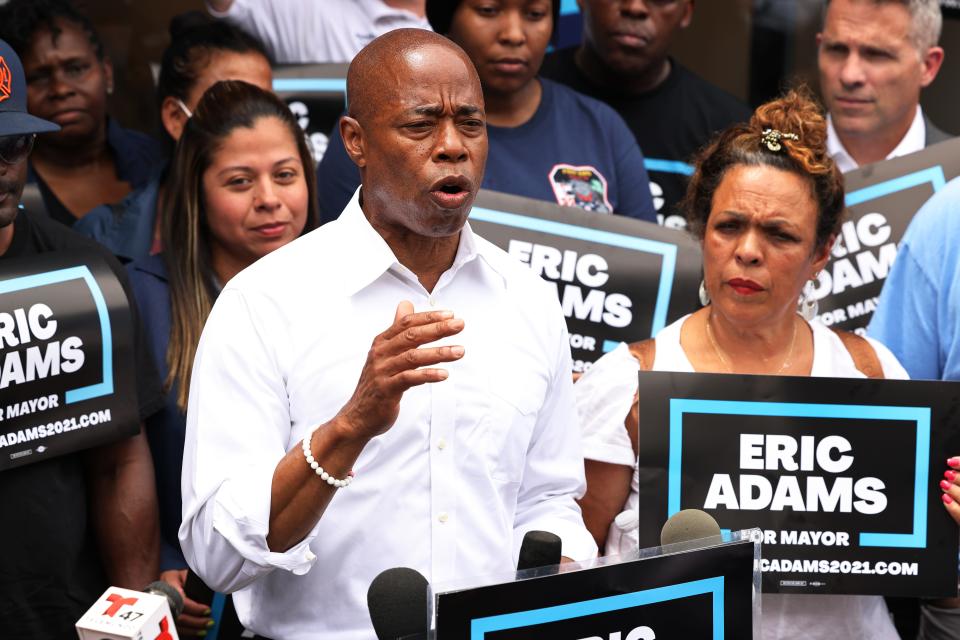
<point>726,362</point>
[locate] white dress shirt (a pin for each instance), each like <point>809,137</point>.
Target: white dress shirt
<point>301,31</point>
<point>472,463</point>
<point>914,140</point>
<point>604,397</point>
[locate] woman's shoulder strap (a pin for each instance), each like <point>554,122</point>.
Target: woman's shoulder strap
<point>864,356</point>
<point>645,352</point>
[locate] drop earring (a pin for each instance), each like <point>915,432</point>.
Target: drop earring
<point>704,296</point>
<point>808,307</point>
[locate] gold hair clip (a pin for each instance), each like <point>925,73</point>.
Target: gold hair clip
<point>771,138</point>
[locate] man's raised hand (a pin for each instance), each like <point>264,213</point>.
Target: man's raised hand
<point>397,360</point>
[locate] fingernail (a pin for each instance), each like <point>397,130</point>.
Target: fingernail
<point>457,351</point>
<point>445,315</point>
<point>202,633</point>
<point>211,622</point>
<point>442,373</point>
<point>950,475</point>
<point>954,462</point>
<point>206,612</point>
<point>946,498</point>
<point>945,485</point>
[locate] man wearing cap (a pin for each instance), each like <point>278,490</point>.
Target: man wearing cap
<point>76,523</point>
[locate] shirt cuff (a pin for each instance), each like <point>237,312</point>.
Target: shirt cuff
<point>609,453</point>
<point>246,530</point>
<point>171,559</point>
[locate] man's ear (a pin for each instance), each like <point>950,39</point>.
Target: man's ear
<point>932,60</point>
<point>687,15</point>
<point>353,140</point>
<point>172,117</point>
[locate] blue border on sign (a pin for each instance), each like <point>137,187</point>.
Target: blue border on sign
<point>714,586</point>
<point>667,251</point>
<point>326,85</point>
<point>105,387</point>
<point>933,175</point>
<point>920,415</point>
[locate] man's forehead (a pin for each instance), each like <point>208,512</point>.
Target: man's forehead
<point>421,78</point>
<point>867,22</point>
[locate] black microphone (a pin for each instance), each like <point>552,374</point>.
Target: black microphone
<point>691,528</point>
<point>397,601</point>
<point>539,549</point>
<point>174,599</point>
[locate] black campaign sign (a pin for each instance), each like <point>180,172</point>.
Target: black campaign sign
<point>618,279</point>
<point>67,380</point>
<point>882,199</point>
<point>696,595</point>
<point>839,474</point>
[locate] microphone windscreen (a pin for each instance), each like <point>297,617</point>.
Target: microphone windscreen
<point>539,549</point>
<point>397,600</point>
<point>687,525</point>
<point>173,596</point>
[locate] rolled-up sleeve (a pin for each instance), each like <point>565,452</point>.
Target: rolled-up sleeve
<point>554,475</point>
<point>238,430</point>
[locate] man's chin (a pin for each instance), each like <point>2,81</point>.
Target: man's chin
<point>7,215</point>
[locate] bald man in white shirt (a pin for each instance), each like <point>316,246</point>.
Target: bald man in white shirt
<point>875,57</point>
<point>439,446</point>
<point>304,31</point>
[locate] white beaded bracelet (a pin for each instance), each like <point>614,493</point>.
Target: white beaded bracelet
<point>326,477</point>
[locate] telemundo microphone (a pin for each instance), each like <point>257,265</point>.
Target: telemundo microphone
<point>397,601</point>
<point>123,614</point>
<point>690,529</point>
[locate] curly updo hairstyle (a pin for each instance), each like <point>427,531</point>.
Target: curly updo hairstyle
<point>743,144</point>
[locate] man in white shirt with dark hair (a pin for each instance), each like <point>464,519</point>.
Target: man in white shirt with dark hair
<point>302,31</point>
<point>875,56</point>
<point>439,446</point>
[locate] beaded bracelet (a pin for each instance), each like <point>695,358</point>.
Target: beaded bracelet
<point>326,477</point>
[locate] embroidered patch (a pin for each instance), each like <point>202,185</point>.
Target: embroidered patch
<point>5,80</point>
<point>582,186</point>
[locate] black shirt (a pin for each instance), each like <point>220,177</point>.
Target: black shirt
<point>50,569</point>
<point>671,122</point>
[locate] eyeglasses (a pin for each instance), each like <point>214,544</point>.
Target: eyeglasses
<point>13,149</point>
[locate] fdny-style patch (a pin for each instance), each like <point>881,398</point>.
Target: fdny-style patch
<point>5,80</point>
<point>581,186</point>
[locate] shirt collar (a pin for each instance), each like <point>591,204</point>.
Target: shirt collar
<point>373,256</point>
<point>914,140</point>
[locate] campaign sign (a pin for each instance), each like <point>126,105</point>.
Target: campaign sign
<point>316,95</point>
<point>67,381</point>
<point>706,594</point>
<point>840,474</point>
<point>882,199</point>
<point>618,279</point>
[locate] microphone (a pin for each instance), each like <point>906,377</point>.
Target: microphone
<point>539,549</point>
<point>123,614</point>
<point>397,601</point>
<point>689,528</point>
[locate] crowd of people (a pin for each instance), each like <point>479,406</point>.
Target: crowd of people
<point>335,375</point>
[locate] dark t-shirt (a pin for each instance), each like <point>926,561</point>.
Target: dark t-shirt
<point>671,122</point>
<point>50,569</point>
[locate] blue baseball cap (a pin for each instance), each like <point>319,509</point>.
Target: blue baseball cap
<point>14,119</point>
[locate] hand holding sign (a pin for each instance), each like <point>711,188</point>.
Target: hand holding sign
<point>394,365</point>
<point>951,488</point>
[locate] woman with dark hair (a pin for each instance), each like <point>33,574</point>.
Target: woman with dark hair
<point>91,159</point>
<point>201,52</point>
<point>241,185</point>
<point>766,202</point>
<point>547,141</point>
